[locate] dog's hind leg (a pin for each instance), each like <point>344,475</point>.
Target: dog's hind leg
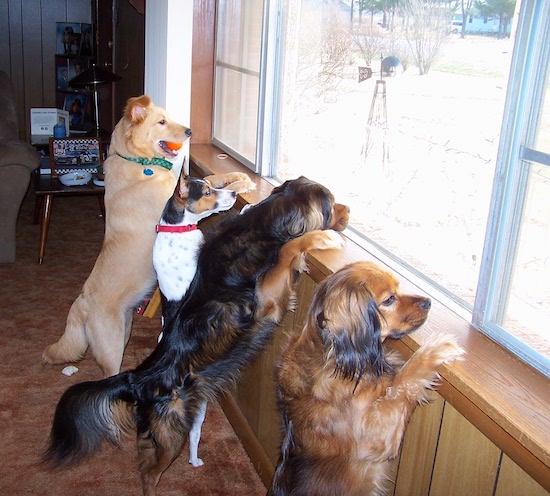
<point>157,451</point>
<point>72,346</point>
<point>107,336</point>
<point>195,437</point>
<point>275,289</point>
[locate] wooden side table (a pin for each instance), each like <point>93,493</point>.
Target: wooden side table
<point>72,153</point>
<point>46,188</point>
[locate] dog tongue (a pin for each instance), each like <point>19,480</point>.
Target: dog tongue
<point>172,145</point>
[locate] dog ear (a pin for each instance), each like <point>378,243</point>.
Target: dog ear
<point>349,323</point>
<point>299,223</point>
<point>182,187</point>
<point>136,108</point>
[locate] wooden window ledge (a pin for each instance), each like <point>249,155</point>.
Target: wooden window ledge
<point>505,399</point>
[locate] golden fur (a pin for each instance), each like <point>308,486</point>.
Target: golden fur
<point>101,316</point>
<point>345,402</point>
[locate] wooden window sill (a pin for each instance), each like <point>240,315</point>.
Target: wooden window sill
<point>508,401</point>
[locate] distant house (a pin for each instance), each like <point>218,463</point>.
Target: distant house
<point>479,24</point>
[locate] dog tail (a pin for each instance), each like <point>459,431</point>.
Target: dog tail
<point>87,414</point>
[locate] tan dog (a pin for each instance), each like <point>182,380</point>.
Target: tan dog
<point>345,402</point>
<point>140,175</point>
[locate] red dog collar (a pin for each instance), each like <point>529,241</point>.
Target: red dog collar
<point>176,229</point>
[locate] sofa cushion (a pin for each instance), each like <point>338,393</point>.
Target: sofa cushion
<point>16,152</point>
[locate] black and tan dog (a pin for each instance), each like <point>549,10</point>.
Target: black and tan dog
<point>245,279</point>
<point>345,402</point>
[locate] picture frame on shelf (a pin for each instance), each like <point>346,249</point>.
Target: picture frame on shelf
<point>75,39</point>
<point>67,68</point>
<point>68,38</point>
<point>69,154</point>
<point>77,66</point>
<point>62,77</point>
<point>86,40</point>
<point>79,107</point>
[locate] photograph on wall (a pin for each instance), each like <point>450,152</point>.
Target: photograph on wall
<point>76,67</point>
<point>76,104</point>
<point>68,38</point>
<point>86,40</point>
<point>62,73</point>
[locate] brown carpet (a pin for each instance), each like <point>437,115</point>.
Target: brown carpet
<point>35,303</point>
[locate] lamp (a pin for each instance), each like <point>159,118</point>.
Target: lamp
<point>94,76</point>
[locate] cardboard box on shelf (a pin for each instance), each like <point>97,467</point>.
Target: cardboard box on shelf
<point>44,119</point>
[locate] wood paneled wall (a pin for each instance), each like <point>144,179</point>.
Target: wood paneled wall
<point>27,49</point>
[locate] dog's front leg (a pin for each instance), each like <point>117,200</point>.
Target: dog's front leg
<point>235,181</point>
<point>414,384</point>
<point>419,376</point>
<point>275,289</point>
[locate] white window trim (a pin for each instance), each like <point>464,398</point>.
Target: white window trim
<point>524,96</point>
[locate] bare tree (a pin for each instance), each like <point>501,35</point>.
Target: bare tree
<point>466,7</point>
<point>426,30</point>
<point>370,41</point>
<point>323,51</point>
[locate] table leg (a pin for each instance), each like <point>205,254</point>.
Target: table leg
<point>44,225</point>
<point>101,199</point>
<point>38,202</point>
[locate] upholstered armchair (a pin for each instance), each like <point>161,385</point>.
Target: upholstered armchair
<point>17,160</point>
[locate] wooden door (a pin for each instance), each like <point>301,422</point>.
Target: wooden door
<point>120,48</point>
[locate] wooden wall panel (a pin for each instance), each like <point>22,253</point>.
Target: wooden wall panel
<point>45,95</point>
<point>27,49</point>
<point>513,481</point>
<point>418,450</point>
<point>269,420</point>
<point>256,393</point>
<point>5,57</point>
<point>15,58</point>
<point>466,461</point>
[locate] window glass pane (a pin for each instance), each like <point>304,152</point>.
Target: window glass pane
<point>236,111</point>
<point>238,50</point>
<point>542,143</point>
<point>528,306</point>
<point>525,302</point>
<point>411,149</point>
<point>239,35</point>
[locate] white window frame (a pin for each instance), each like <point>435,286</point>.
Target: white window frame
<point>524,96</point>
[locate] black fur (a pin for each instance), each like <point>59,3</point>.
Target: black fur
<point>212,337</point>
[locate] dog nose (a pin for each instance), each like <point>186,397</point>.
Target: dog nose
<point>188,132</point>
<point>426,304</point>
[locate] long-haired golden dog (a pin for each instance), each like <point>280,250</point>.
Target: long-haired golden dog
<point>244,283</point>
<point>140,175</point>
<point>345,403</point>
